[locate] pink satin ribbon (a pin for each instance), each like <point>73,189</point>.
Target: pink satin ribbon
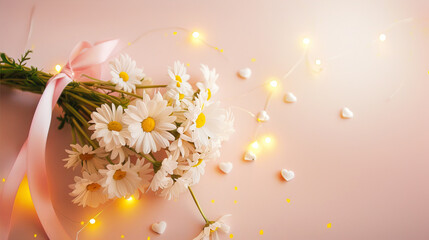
<point>31,159</point>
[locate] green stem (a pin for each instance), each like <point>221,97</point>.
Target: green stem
<point>83,100</point>
<point>198,206</point>
<point>76,114</point>
<point>144,156</point>
<point>83,133</point>
<point>151,86</point>
<point>119,91</point>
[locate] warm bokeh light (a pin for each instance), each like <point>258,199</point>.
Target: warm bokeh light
<point>382,37</point>
<point>92,221</point>
<point>318,62</point>
<point>58,68</point>
<point>306,41</point>
<point>195,34</point>
<point>23,196</point>
<point>3,180</point>
<point>35,235</point>
<point>267,140</point>
<point>82,223</point>
<point>255,145</point>
<point>274,83</point>
<point>130,198</point>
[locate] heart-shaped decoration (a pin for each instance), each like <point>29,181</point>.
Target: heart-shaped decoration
<point>226,167</point>
<point>249,156</point>
<point>290,98</point>
<point>159,227</point>
<point>263,116</point>
<point>346,113</point>
<point>287,175</point>
<point>245,73</point>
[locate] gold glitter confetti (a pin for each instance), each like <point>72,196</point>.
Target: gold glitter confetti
<point>288,200</point>
<point>253,59</point>
<point>129,44</point>
<point>174,33</point>
<point>122,236</point>
<point>329,225</point>
<point>188,64</point>
<point>231,235</point>
<point>235,188</point>
<point>148,238</point>
<point>81,223</point>
<point>221,50</point>
<point>261,232</point>
<point>3,180</point>
<point>35,235</point>
<point>213,201</point>
<point>235,201</point>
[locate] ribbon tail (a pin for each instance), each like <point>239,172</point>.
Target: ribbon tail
<point>36,163</point>
<point>10,189</point>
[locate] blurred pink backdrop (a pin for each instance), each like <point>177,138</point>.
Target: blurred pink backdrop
<point>365,176</point>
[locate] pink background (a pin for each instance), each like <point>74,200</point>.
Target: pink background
<point>366,176</point>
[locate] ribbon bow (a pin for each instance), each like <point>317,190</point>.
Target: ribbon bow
<point>31,157</point>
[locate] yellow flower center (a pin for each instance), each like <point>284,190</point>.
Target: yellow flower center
<point>209,93</point>
<point>119,175</point>
<point>201,120</point>
<point>93,187</point>
<point>199,162</point>
<point>124,76</point>
<point>114,126</point>
<point>181,96</point>
<point>178,78</point>
<point>148,124</point>
<point>178,84</point>
<point>86,156</point>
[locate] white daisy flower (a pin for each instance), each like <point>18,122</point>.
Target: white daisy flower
<point>209,85</point>
<point>125,74</point>
<point>161,178</point>
<point>145,172</point>
<point>91,160</point>
<point>88,190</point>
<point>179,78</point>
<point>109,129</point>
<point>195,169</point>
<point>149,122</point>
<point>120,180</point>
<point>212,229</point>
<point>182,143</point>
<point>175,188</point>
<point>208,121</point>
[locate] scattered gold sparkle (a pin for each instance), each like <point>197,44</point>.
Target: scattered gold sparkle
<point>174,33</point>
<point>235,188</point>
<point>213,201</point>
<point>261,232</point>
<point>329,225</point>
<point>235,201</point>
<point>253,59</point>
<point>231,235</point>
<point>288,200</point>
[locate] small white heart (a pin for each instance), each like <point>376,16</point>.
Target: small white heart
<point>245,73</point>
<point>263,116</point>
<point>346,113</point>
<point>226,167</point>
<point>290,98</point>
<point>249,156</point>
<point>159,227</point>
<point>287,175</point>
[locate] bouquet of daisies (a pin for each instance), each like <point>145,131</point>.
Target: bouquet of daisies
<point>128,138</point>
<point>183,127</point>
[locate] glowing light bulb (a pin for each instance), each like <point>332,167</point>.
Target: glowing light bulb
<point>255,144</point>
<point>58,68</point>
<point>274,83</point>
<point>267,140</point>
<point>306,41</point>
<point>92,221</point>
<point>318,62</point>
<point>195,35</point>
<point>382,37</point>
